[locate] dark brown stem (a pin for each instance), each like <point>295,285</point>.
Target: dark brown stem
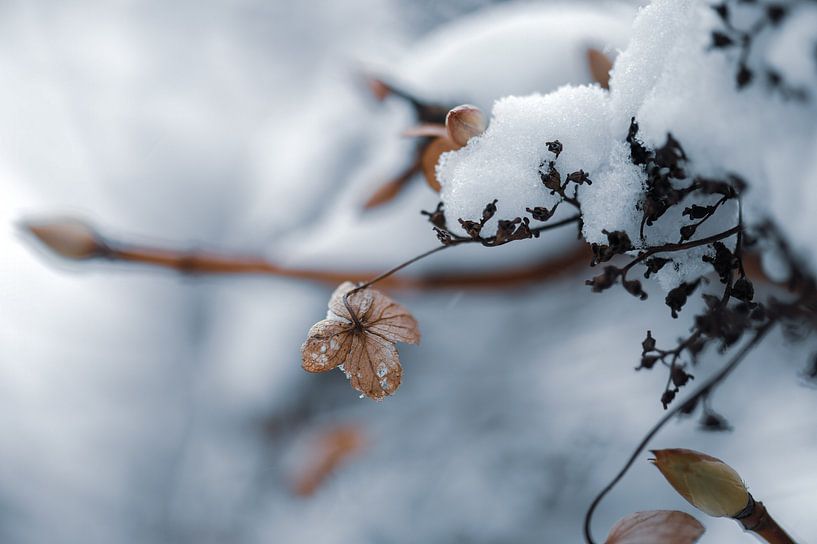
<point>421,256</point>
<point>681,246</point>
<point>704,389</point>
<point>756,519</point>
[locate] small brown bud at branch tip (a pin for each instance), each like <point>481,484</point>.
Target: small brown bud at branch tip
<point>68,238</point>
<point>463,123</point>
<point>707,483</point>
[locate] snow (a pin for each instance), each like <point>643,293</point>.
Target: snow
<point>504,163</point>
<point>670,80</point>
<point>791,51</point>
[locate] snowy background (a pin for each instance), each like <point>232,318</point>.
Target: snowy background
<point>137,406</point>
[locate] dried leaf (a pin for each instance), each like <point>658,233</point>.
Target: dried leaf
<point>333,447</point>
<point>365,352</point>
<point>656,527</point>
<point>600,66</point>
<point>431,154</point>
<point>389,190</point>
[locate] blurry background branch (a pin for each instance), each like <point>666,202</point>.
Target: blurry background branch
<point>74,240</point>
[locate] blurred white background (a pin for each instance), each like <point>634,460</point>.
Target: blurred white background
<point>138,406</point>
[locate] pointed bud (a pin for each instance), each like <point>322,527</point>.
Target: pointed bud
<point>707,483</point>
<point>68,238</point>
<point>463,123</point>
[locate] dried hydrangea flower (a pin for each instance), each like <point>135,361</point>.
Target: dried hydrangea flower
<point>361,342</point>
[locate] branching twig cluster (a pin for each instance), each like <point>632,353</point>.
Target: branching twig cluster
<point>732,38</point>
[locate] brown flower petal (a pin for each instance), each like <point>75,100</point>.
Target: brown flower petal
<point>373,366</point>
<point>360,301</point>
<point>327,345</point>
<point>656,527</point>
<point>391,320</point>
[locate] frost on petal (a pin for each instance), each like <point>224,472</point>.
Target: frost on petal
<point>327,345</point>
<point>360,301</point>
<point>391,320</point>
<point>656,527</point>
<point>373,366</point>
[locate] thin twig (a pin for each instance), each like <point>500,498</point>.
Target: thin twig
<point>452,243</point>
<point>681,246</point>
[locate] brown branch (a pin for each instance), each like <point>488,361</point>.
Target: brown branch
<point>77,241</point>
<point>756,519</point>
<point>681,246</point>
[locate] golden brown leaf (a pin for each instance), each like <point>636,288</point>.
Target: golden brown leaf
<point>364,350</point>
<point>431,154</point>
<point>600,66</point>
<point>656,527</point>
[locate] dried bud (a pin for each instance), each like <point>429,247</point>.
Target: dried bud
<point>68,238</point>
<point>463,123</point>
<point>707,483</point>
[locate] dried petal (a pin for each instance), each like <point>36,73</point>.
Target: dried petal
<point>656,527</point>
<point>327,345</point>
<point>360,301</point>
<point>373,366</point>
<point>391,320</point>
